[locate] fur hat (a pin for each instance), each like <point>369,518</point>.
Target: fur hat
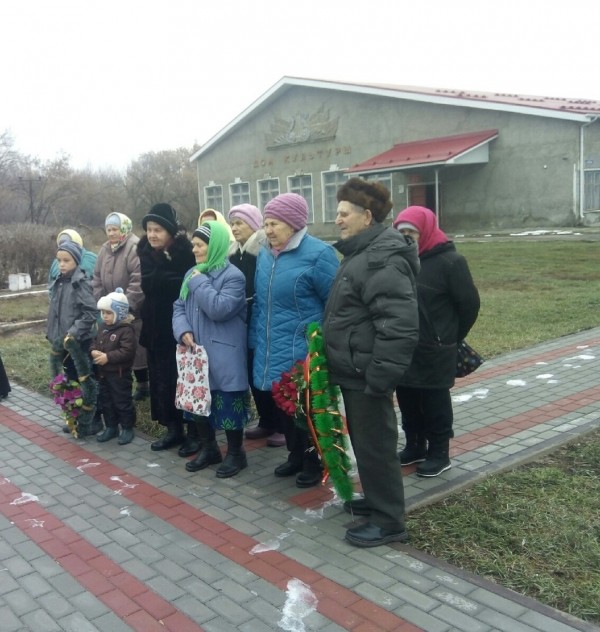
<point>115,302</point>
<point>289,208</point>
<point>163,214</point>
<point>370,195</point>
<point>68,234</point>
<point>73,248</point>
<point>247,213</point>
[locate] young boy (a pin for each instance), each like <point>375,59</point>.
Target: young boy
<point>113,352</point>
<point>71,320</point>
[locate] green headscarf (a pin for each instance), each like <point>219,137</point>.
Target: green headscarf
<point>218,249</point>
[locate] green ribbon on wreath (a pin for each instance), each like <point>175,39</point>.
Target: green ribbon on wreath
<point>323,416</point>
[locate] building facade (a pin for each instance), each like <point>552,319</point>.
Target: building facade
<point>480,161</point>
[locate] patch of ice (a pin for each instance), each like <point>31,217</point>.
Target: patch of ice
<point>84,467</point>
<point>34,522</point>
<point>516,383</point>
<point>300,602</point>
<point>25,498</point>
<point>544,376</point>
<point>457,602</point>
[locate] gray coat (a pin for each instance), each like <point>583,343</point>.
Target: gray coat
<point>371,321</point>
<point>72,308</point>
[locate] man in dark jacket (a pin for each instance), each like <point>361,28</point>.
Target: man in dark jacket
<point>371,328</point>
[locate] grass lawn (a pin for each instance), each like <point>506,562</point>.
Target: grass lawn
<point>535,529</point>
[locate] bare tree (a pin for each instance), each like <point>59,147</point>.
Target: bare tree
<point>164,176</point>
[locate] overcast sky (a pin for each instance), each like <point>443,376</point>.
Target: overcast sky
<point>107,81</point>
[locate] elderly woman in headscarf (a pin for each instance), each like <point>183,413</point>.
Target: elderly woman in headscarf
<point>448,307</point>
<point>118,265</point>
<point>211,311</point>
<point>166,255</point>
<point>211,215</point>
<point>294,273</point>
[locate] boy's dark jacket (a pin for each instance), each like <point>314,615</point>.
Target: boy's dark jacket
<point>119,342</point>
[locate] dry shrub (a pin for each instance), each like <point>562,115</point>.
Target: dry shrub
<point>27,248</point>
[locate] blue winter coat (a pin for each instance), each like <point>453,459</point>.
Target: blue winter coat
<point>291,292</point>
<point>215,312</point>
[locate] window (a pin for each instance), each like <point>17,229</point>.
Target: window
<point>386,180</point>
<point>267,190</point>
<point>332,180</point>
<point>592,190</point>
<point>302,185</point>
<point>239,192</point>
<point>213,197</point>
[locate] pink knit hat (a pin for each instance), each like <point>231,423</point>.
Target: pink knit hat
<point>289,208</point>
<point>247,213</point>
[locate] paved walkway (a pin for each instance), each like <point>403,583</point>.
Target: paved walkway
<point>103,537</point>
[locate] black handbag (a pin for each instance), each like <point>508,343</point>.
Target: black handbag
<point>467,359</point>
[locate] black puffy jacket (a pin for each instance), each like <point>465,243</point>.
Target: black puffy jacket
<point>370,324</point>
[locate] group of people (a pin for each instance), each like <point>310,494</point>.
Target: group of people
<point>392,312</point>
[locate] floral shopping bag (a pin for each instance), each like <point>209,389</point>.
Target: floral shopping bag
<point>193,390</point>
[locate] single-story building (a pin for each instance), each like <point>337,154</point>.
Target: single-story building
<point>481,161</point>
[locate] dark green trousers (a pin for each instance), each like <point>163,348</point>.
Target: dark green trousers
<point>373,431</point>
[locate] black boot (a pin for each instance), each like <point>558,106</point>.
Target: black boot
<point>126,436</point>
<point>191,443</point>
<point>312,470</point>
<point>415,450</point>
<point>210,453</point>
<point>173,437</point>
<point>109,433</point>
<point>235,459</point>
<point>141,392</point>
<point>437,461</point>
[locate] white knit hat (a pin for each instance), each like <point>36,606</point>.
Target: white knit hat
<point>115,302</point>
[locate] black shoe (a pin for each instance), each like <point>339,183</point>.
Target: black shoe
<point>66,429</point>
<point>289,468</point>
<point>357,507</point>
<point>109,433</point>
<point>189,446</point>
<point>170,440</point>
<point>232,464</point>
<point>140,394</point>
<point>367,535</point>
<point>412,454</point>
<point>309,478</point>
<point>434,466</point>
<point>209,455</point>
<point>126,436</point>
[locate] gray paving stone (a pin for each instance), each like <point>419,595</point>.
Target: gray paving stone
<point>20,602</point>
<point>460,620</point>
<point>423,620</point>
<point>10,622</point>
<point>503,622</point>
<point>40,620</point>
<point>56,604</point>
<point>228,610</point>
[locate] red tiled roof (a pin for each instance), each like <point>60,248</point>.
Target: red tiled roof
<point>574,105</point>
<point>425,152</point>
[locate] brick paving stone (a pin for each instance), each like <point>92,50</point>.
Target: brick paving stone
<point>186,537</point>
